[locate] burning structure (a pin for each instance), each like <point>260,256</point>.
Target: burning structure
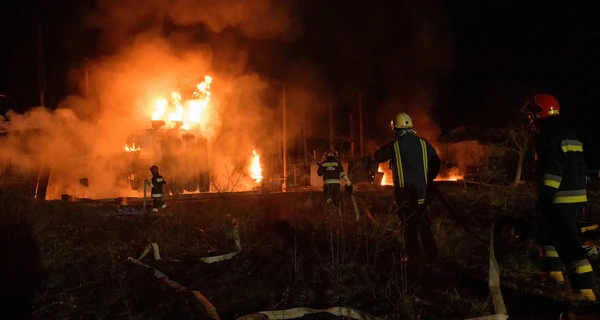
<point>174,143</point>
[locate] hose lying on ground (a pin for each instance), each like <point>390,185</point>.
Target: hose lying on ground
<point>212,311</point>
<point>296,313</point>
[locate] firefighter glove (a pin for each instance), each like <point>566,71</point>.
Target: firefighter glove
<point>349,189</point>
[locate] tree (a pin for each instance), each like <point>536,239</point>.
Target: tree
<point>517,138</point>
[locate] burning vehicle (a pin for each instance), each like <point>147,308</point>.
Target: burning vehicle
<point>174,143</point>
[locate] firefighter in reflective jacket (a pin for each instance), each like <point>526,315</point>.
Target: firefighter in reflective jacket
<point>414,163</point>
<point>157,184</point>
<point>332,171</point>
<point>561,181</point>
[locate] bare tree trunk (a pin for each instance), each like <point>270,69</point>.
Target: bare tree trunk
<point>522,154</point>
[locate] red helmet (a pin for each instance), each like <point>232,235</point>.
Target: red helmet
<point>541,106</point>
<point>154,169</point>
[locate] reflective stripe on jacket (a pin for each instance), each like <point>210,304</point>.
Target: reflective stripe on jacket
<point>560,165</point>
<point>414,163</point>
<point>332,171</point>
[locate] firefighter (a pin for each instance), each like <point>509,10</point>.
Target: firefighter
<point>157,184</point>
<point>561,197</point>
<point>332,171</point>
<point>414,163</point>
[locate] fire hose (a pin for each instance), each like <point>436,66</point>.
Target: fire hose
<point>436,193</point>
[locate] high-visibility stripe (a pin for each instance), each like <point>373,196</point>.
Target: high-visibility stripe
<point>160,180</point>
<point>157,195</point>
<point>568,145</point>
<point>589,228</point>
<point>547,251</point>
<point>332,181</point>
<point>553,111</point>
<point>420,201</point>
<point>570,196</point>
<point>329,164</point>
<point>425,164</point>
<point>581,266</point>
<point>399,164</point>
<point>552,180</point>
<point>342,174</point>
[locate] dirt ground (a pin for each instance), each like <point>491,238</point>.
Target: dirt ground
<point>70,261</point>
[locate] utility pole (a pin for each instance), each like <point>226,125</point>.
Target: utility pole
<point>360,124</point>
<point>351,137</point>
<point>331,136</point>
<point>284,182</point>
<point>304,141</point>
<point>41,69</point>
<point>87,77</point>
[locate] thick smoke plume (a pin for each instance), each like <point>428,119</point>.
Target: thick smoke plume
<point>151,48</point>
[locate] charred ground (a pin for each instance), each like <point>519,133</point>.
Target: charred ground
<point>69,261</point>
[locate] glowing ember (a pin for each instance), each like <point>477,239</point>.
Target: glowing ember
<point>182,112</point>
<point>132,148</point>
<point>255,169</point>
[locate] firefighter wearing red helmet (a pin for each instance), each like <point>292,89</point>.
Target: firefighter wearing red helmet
<point>157,184</point>
<point>332,171</point>
<point>561,197</point>
<point>414,163</point>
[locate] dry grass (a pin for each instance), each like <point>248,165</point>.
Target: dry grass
<point>296,252</point>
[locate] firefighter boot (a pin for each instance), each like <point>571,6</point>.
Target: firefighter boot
<point>581,295</point>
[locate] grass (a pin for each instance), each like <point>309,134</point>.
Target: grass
<point>296,252</point>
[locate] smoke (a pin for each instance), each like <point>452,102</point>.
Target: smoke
<point>414,71</point>
<point>151,48</point>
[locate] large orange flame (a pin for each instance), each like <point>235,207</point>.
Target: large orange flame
<point>255,169</point>
<point>186,113</point>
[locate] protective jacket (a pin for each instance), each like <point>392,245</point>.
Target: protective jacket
<point>157,185</point>
<point>414,163</point>
<point>560,166</point>
<point>332,171</point>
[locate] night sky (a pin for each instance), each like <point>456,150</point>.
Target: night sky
<point>475,61</point>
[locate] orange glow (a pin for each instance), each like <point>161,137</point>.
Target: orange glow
<point>255,169</point>
<point>387,179</point>
<point>132,148</point>
<point>451,175</point>
<point>187,113</point>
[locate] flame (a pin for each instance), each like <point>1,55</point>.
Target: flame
<point>132,148</point>
<point>387,179</point>
<point>161,106</point>
<point>255,169</point>
<point>188,113</point>
<point>451,175</point>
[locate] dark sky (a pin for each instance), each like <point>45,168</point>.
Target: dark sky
<point>477,60</point>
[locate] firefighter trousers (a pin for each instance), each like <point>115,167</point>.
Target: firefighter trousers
<point>560,248</point>
<point>419,242</point>
<point>332,191</point>
<point>158,203</point>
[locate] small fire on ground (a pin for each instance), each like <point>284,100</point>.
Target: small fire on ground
<point>450,175</point>
<point>387,180</point>
<point>255,169</point>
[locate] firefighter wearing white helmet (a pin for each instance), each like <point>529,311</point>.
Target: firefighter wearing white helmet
<point>332,172</point>
<point>414,163</point>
